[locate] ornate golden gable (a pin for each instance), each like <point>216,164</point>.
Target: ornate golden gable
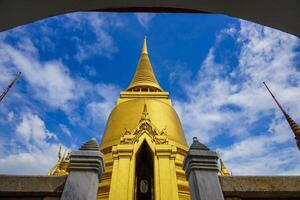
<point>144,127</point>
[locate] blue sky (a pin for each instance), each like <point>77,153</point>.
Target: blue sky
<point>75,65</point>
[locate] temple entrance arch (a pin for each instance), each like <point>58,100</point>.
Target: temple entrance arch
<point>144,173</point>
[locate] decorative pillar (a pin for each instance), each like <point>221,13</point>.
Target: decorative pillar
<point>85,169</point>
<point>201,169</point>
<point>122,168</point>
<point>166,174</point>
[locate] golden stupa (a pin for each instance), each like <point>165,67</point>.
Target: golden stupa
<point>143,143</point>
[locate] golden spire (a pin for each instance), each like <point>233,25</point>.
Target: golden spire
<point>145,50</point>
<point>61,167</point>
<point>144,78</point>
<point>223,169</point>
<point>294,126</point>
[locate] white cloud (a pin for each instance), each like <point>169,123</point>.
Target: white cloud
<point>10,116</point>
<point>65,130</point>
<point>50,80</point>
<point>223,103</point>
<point>34,162</point>
<point>37,154</point>
<point>32,131</point>
<point>100,25</point>
<point>49,84</point>
<point>6,74</point>
<point>284,163</point>
<point>91,71</point>
<point>99,110</point>
<point>52,83</point>
<point>145,19</point>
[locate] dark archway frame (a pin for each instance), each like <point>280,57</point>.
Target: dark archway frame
<point>280,14</point>
<point>144,169</point>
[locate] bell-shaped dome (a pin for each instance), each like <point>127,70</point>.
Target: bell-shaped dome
<point>127,115</point>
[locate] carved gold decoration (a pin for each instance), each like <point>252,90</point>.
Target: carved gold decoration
<point>61,167</point>
<point>145,127</point>
<point>224,171</point>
